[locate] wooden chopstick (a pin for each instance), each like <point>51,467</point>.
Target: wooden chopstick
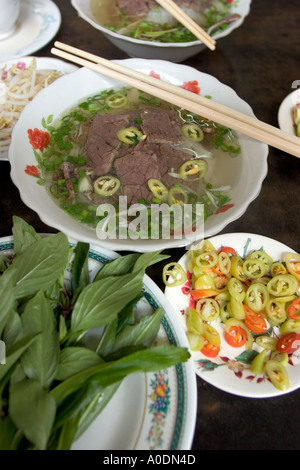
<point>188,22</point>
<point>200,105</point>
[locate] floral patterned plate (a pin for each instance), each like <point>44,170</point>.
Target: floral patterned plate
<point>153,411</point>
<point>230,370</point>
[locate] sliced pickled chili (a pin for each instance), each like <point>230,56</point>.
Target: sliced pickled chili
<point>211,334</point>
<point>289,326</point>
<point>208,309</point>
<point>255,322</point>
<point>237,308</point>
<point>292,261</point>
<point>130,135</point>
<point>293,310</point>
<point>276,313</point>
<point>277,374</point>
<point>288,343</point>
<point>192,132</point>
<point>158,189</point>
<point>266,342</point>
<point>117,100</point>
<point>196,341</point>
<point>210,349</point>
<point>258,363</point>
<point>193,170</point>
<point>207,259</point>
<point>236,336</point>
<point>174,275</point>
<point>282,285</point>
<point>236,289</point>
<point>204,281</point>
<point>254,268</point>
<point>224,262</point>
<point>278,268</point>
<point>262,256</point>
<point>177,195</point>
<point>257,296</point>
<point>106,185</point>
<point>194,322</point>
<point>236,268</point>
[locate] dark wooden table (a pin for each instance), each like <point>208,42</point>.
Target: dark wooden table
<point>259,61</point>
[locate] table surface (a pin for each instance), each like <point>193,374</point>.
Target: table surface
<point>260,61</point>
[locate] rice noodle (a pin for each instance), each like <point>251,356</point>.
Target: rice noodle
<point>18,86</point>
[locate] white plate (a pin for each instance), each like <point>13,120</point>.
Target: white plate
<point>38,23</point>
<point>230,371</point>
<point>285,112</point>
<point>137,418</point>
<point>244,173</point>
<point>42,63</point>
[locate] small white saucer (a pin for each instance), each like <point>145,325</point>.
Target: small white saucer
<point>285,112</point>
<point>38,23</point>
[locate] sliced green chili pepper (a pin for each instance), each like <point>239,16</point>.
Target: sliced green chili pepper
<point>177,195</point>
<point>211,334</point>
<point>289,326</point>
<point>193,170</point>
<point>258,363</point>
<point>106,185</point>
<point>158,189</point>
<point>130,135</point>
<point>276,312</point>
<point>257,296</point>
<point>224,262</point>
<point>254,268</point>
<point>236,309</point>
<point>208,309</point>
<point>236,268</point>
<point>236,289</point>
<point>293,264</point>
<point>225,312</point>
<point>282,285</point>
<point>283,358</point>
<point>192,132</point>
<point>117,100</point>
<point>278,375</point>
<point>262,256</point>
<point>277,268</point>
<point>266,342</point>
<point>207,259</point>
<point>194,322</point>
<point>174,275</point>
<point>196,341</point>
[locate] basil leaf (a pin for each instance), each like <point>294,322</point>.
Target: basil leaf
<point>117,267</point>
<point>142,333</point>
<point>40,360</point>
<point>74,359</point>
<point>146,360</point>
<point>39,266</point>
<point>32,410</point>
<point>6,298</point>
<point>7,433</point>
<point>13,329</point>
<point>23,234</point>
<point>101,301</point>
<point>80,274</point>
<point>15,352</point>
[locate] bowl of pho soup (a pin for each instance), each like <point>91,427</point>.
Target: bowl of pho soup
<point>141,28</point>
<point>112,165</point>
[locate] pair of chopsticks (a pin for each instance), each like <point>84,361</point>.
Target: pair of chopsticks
<point>190,24</point>
<point>182,98</point>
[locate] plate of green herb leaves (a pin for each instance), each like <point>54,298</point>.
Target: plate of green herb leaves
<point>92,356</point>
